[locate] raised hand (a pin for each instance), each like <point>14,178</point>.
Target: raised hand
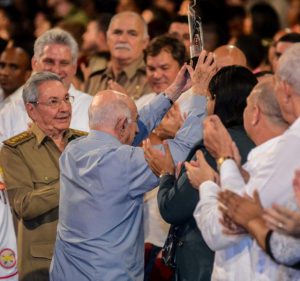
<point>158,161</point>
<point>205,69</point>
<point>181,83</point>
<point>240,209</point>
<point>283,220</point>
<point>216,138</point>
<point>199,171</point>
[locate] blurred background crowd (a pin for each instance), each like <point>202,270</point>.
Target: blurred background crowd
<point>250,25</point>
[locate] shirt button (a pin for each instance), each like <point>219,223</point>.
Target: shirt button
<point>46,178</point>
<point>180,243</point>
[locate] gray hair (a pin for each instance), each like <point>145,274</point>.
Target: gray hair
<point>289,67</point>
<point>264,96</point>
<point>131,14</point>
<point>108,114</point>
<point>30,90</point>
<point>55,36</point>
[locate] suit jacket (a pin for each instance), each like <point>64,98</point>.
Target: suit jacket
<point>177,200</point>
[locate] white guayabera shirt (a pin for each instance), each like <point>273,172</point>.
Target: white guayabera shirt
<point>271,173</point>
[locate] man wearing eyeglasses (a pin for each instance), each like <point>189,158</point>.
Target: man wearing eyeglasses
<point>55,51</point>
<point>31,171</point>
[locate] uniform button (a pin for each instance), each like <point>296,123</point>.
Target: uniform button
<point>180,243</point>
<point>46,178</point>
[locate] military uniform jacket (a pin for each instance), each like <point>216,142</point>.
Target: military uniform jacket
<point>132,78</point>
<point>31,172</point>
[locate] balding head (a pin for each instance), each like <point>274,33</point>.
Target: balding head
<point>114,113</point>
<point>227,55</point>
<point>263,94</point>
<point>263,118</point>
<point>127,37</point>
<point>126,15</point>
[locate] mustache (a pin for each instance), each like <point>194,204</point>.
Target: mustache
<point>123,46</point>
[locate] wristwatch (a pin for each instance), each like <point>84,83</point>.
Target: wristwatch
<point>165,173</point>
<point>220,161</point>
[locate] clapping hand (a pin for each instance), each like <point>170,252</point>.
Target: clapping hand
<point>199,171</point>
<point>216,138</point>
<point>282,219</point>
<point>240,209</point>
<point>158,161</point>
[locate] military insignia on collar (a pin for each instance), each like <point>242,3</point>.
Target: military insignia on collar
<point>7,258</point>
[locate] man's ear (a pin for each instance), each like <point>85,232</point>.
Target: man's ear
<point>121,126</point>
<point>288,91</point>
<point>33,63</point>
<point>256,115</point>
<point>30,108</point>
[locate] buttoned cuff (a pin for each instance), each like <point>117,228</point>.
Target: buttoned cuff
<point>208,189</point>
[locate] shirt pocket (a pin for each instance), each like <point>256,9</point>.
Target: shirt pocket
<point>45,180</point>
<point>42,250</point>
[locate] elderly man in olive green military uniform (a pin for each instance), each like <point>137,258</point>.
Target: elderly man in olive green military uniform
<point>31,171</point>
<point>127,37</point>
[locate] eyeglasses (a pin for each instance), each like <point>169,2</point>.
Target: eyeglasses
<point>54,102</point>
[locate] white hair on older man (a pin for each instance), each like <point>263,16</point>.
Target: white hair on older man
<point>289,67</point>
<point>108,114</point>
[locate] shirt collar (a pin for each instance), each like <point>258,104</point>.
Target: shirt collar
<point>137,65</point>
<point>260,152</point>
<point>103,137</point>
<point>41,136</point>
<point>295,125</point>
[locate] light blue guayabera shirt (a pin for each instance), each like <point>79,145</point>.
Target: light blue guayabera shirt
<point>100,230</point>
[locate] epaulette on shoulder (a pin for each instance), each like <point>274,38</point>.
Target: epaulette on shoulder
<point>78,132</point>
<point>18,139</point>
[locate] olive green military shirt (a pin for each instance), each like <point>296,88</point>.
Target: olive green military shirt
<point>31,172</point>
<point>132,78</point>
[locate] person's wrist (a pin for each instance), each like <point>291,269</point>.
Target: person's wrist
<point>199,91</point>
<point>222,159</point>
<point>173,92</point>
<point>166,173</point>
<point>254,223</point>
<point>168,98</point>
